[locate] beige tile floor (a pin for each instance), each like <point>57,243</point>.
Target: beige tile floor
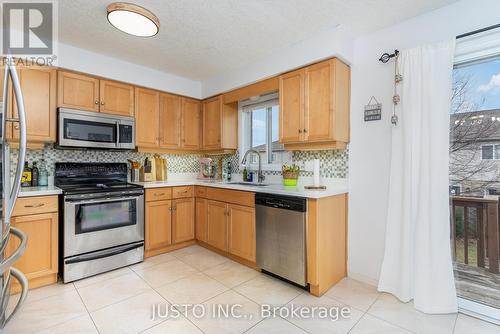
<point>120,302</point>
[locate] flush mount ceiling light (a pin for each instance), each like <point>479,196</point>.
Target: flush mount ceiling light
<point>132,19</point>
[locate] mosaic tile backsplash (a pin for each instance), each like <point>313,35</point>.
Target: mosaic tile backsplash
<point>333,163</point>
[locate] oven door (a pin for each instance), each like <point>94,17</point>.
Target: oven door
<point>103,222</point>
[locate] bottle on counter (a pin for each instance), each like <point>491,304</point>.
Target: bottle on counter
<point>245,174</point>
<point>26,178</point>
<point>34,175</point>
<point>43,174</point>
<point>228,173</point>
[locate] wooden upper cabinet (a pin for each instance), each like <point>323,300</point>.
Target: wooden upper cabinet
<point>77,91</point>
<point>212,114</point>
<point>217,224</point>
<point>291,97</point>
<point>116,98</point>
<point>241,231</point>
<point>314,103</point>
<point>191,124</point>
<point>220,124</point>
<point>146,117</point>
<point>170,121</point>
<point>39,92</point>
<point>183,219</point>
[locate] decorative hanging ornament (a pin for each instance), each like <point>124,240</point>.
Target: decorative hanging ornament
<point>396,99</point>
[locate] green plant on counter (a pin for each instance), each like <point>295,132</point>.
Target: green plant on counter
<point>290,174</point>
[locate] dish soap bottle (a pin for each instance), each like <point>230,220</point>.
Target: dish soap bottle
<point>245,174</point>
<point>26,178</point>
<point>34,175</point>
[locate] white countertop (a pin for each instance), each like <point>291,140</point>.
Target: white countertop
<point>334,187</point>
<point>39,191</point>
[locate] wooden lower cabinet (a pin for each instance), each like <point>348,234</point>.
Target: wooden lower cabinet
<point>230,228</point>
<point>217,224</point>
<point>158,221</point>
<point>39,262</point>
<point>201,219</point>
<point>241,231</point>
<point>182,219</point>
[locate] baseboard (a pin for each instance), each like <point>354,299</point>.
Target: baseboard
<point>363,278</point>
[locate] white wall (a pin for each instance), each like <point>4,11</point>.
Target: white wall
<point>82,60</point>
<point>369,158</point>
<point>334,42</point>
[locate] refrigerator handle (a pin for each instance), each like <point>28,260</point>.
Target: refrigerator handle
<point>22,137</point>
<point>19,276</point>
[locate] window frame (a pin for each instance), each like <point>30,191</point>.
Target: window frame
<point>245,130</point>
<point>494,153</point>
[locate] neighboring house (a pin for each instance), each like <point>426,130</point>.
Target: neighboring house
<point>475,153</point>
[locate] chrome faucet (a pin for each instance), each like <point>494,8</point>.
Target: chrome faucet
<point>260,176</point>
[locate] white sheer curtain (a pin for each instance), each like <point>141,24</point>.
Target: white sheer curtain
<point>417,260</point>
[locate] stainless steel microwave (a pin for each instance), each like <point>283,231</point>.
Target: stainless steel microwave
<point>86,129</point>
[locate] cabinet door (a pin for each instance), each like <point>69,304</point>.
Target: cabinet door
<point>39,93</point>
<point>241,234</point>
<point>217,224</point>
<point>116,98</point>
<point>147,105</point>
<point>201,219</point>
<point>212,113</point>
<point>291,107</point>
<point>77,91</point>
<point>41,256</point>
<point>183,219</point>
<point>158,224</point>
<point>319,113</point>
<point>170,121</point>
<point>190,124</point>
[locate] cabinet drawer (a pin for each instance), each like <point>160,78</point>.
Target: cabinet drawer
<point>245,198</point>
<point>35,205</point>
<point>158,194</point>
<point>200,192</point>
<point>182,192</point>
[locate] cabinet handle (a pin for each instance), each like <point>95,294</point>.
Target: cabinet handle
<point>16,126</point>
<point>300,131</point>
<point>305,130</point>
<point>102,103</point>
<point>96,102</point>
<point>161,194</point>
<point>34,205</point>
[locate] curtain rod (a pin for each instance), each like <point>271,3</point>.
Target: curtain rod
<point>478,31</point>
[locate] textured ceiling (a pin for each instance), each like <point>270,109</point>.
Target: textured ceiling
<point>202,38</point>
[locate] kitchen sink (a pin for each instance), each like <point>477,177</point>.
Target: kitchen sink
<point>251,184</point>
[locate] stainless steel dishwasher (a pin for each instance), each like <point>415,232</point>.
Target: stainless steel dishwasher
<point>281,236</point>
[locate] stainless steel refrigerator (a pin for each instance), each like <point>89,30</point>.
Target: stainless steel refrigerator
<point>10,191</point>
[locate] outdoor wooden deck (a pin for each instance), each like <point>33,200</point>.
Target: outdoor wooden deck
<point>477,284</point>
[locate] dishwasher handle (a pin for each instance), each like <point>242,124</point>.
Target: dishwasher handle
<point>281,202</point>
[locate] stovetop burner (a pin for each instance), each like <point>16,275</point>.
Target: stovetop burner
<point>79,178</point>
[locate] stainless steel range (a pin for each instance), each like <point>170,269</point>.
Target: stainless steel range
<point>102,221</point>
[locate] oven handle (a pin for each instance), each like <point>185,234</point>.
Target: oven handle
<point>77,201</point>
<point>103,254</point>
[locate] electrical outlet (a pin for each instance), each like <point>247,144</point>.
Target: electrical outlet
<point>309,166</point>
<point>300,164</point>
